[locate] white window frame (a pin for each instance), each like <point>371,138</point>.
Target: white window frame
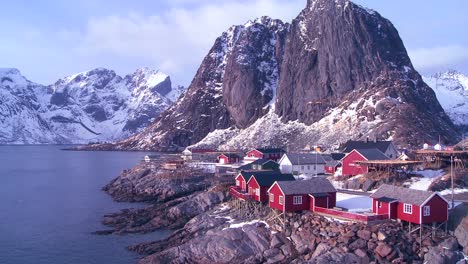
<point>281,200</point>
<point>408,208</point>
<point>257,192</point>
<point>297,200</point>
<point>427,210</point>
<point>272,197</point>
<point>237,183</point>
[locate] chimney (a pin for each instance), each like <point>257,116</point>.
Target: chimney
<point>367,140</point>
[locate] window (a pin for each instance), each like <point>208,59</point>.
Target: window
<point>379,204</point>
<point>427,210</point>
<point>237,183</point>
<point>315,167</point>
<point>297,200</point>
<point>272,197</point>
<point>308,167</point>
<point>257,192</point>
<point>281,200</point>
<point>408,208</point>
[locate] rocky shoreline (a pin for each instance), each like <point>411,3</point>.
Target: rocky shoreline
<point>209,227</point>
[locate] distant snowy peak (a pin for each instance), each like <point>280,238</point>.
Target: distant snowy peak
<point>95,105</point>
<point>10,77</point>
<point>451,89</point>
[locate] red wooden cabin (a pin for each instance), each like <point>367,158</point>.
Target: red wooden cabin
<point>260,181</point>
<point>265,153</point>
<point>229,158</point>
<point>350,168</point>
<point>414,206</point>
<point>302,195</point>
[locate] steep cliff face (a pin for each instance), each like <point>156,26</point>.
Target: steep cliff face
<point>232,88</point>
<point>337,72</point>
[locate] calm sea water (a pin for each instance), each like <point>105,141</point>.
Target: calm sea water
<point>51,201</point>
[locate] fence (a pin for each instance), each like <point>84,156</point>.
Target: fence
<point>350,216</point>
<point>236,193</point>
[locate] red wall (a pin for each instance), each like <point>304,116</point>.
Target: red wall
<point>255,153</point>
<point>382,210</point>
<point>241,180</point>
<point>276,191</point>
<point>438,211</point>
<point>290,206</point>
<point>331,199</point>
<point>263,190</point>
<point>329,169</point>
<point>351,169</point>
<point>413,217</point>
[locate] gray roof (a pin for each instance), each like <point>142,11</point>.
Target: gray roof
<point>404,195</point>
<point>315,185</point>
<point>305,158</point>
<point>372,154</point>
<point>256,162</point>
<point>380,145</point>
<point>267,178</point>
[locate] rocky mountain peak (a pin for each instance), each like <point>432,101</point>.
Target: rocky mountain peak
<point>153,80</point>
<point>339,71</point>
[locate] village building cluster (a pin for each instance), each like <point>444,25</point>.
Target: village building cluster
<point>297,181</point>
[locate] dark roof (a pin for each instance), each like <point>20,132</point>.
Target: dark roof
<point>231,155</point>
<point>385,199</point>
<point>337,156</point>
<point>316,185</point>
<point>258,161</point>
<point>380,145</point>
<point>372,154</point>
<point>267,178</point>
<point>305,158</point>
<point>331,161</point>
<point>271,150</point>
<point>404,195</point>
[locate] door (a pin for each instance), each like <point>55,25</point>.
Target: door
<point>393,210</point>
<point>312,203</point>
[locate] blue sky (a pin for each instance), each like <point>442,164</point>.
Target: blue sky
<point>51,39</point>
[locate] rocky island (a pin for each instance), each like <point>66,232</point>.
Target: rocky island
<point>211,227</point>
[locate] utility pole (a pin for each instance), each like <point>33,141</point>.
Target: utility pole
<point>315,160</point>
<point>451,175</point>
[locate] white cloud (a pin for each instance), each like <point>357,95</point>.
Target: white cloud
<point>177,39</point>
<point>437,57</point>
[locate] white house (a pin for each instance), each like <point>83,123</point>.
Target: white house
<point>302,163</point>
<point>439,147</point>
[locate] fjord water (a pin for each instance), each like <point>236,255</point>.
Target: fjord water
<point>51,202</point>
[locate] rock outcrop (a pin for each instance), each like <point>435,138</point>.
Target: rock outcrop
<point>218,237</point>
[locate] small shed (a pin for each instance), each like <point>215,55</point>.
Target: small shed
<point>302,195</point>
<point>229,158</point>
<point>259,182</point>
<point>414,206</point>
<point>264,153</point>
<point>332,162</point>
<point>150,158</point>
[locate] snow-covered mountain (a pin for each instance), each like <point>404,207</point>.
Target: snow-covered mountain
<point>338,71</point>
<point>96,105</point>
<point>451,89</point>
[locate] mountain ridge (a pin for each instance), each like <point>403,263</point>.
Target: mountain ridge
<point>95,105</point>
<point>340,72</point>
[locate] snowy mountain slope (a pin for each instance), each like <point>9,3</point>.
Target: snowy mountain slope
<point>451,89</point>
<point>338,71</point>
<point>96,105</point>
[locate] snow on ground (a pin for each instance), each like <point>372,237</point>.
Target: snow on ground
<point>241,224</point>
<point>354,203</point>
<point>455,190</point>
<point>330,219</point>
<point>428,176</point>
